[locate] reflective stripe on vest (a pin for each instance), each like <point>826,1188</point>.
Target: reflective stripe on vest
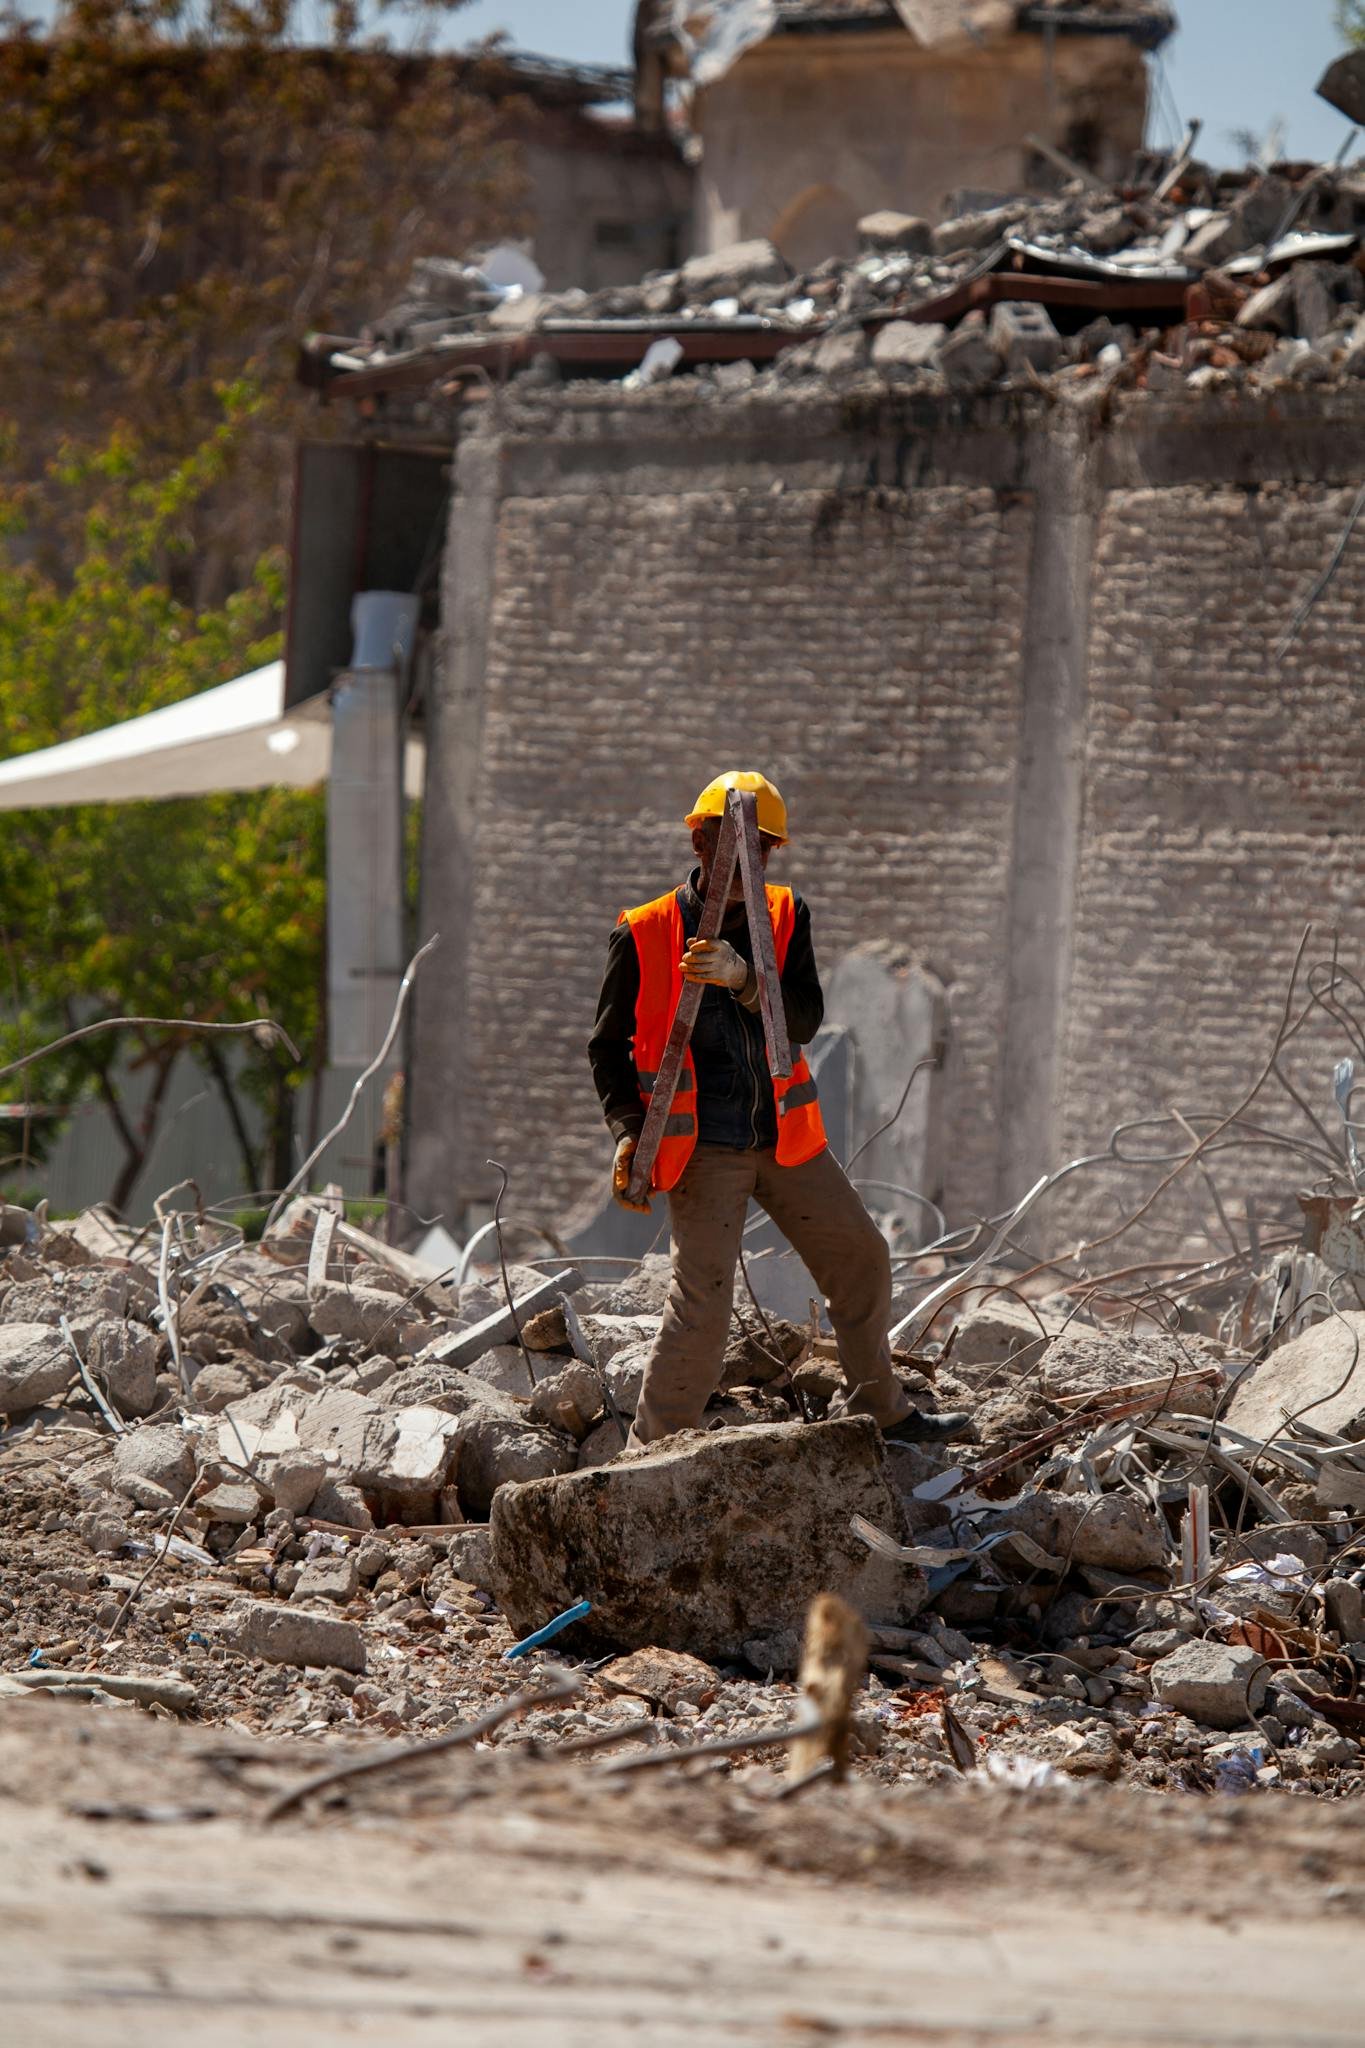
<point>657,929</point>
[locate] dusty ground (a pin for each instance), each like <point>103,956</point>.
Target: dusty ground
<point>142,1899</point>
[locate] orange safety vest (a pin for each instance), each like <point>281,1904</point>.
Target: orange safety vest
<point>657,929</point>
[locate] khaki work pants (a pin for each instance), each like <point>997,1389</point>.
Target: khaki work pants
<point>823,1219</point>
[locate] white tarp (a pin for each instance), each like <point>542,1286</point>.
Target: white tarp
<point>234,737</point>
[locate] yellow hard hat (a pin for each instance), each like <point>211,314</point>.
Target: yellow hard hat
<point>772,812</point>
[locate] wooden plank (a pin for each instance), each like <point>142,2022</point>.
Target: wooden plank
<point>761,935</point>
<point>684,1017</point>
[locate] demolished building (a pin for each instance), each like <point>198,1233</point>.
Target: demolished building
<point>805,115</point>
<point>1018,551</point>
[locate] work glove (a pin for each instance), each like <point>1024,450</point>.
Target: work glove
<point>714,961</point>
<point>620,1176</point>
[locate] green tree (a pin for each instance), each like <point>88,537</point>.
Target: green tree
<point>1350,16</point>
<point>210,907</point>
<point>185,190</point>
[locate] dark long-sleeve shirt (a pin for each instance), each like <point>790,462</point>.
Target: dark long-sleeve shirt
<point>734,1087</point>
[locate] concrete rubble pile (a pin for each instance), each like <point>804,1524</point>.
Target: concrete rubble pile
<point>302,1485</point>
<point>1184,281</point>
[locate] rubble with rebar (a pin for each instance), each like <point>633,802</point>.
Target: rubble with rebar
<point>1182,282</point>
<point>310,1484</point>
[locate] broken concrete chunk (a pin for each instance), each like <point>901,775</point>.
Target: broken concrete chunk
<point>295,1478</point>
<point>1214,1683</point>
<point>968,359</point>
<point>1086,1361</point>
<point>500,1326</point>
<point>839,355</point>
<point>998,1333</point>
<point>667,1678</point>
<point>162,1454</point>
<point>724,272</point>
<point>497,1450</point>
<point>504,1370</point>
<point>706,1541</point>
<point>234,1501</point>
<point>908,344</point>
<point>123,1358</point>
<point>625,1375</point>
<point>642,1293</point>
<point>405,1451</point>
<point>889,231</point>
<point>570,1400</point>
<point>1271,307</point>
<point>1315,305</point>
<point>337,1502</point>
<point>328,1578</point>
<point>1326,1366</point>
<point>298,1635</point>
<point>601,1445</point>
<point>35,1365</point>
<point>470,1555</point>
<point>1114,1530</point>
<point>366,1315</point>
<point>215,1387</point>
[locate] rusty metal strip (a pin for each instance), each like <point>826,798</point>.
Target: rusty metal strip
<point>684,1017</point>
<point>745,807</point>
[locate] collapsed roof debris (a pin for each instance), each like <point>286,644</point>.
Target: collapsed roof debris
<point>1186,280</point>
<point>355,1494</point>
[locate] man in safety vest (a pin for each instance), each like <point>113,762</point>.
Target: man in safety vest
<point>735,1132</point>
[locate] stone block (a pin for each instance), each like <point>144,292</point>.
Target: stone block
<point>1022,333</point>
<point>471,1557</point>
<point>1214,1683</point>
<point>908,344</point>
<point>35,1365</point>
<point>889,231</point>
<point>706,1542</point>
<point>299,1635</point>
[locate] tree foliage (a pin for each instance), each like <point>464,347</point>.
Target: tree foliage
<point>1350,16</point>
<point>184,193</point>
<point>210,907</point>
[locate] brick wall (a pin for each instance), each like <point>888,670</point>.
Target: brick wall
<point>877,605</point>
<point>861,650</point>
<point>1222,811</point>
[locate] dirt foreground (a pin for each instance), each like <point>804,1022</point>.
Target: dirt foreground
<point>497,1898</point>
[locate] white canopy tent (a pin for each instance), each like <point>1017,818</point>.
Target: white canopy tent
<point>237,736</point>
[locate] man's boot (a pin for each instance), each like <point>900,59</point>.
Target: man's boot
<point>920,1428</point>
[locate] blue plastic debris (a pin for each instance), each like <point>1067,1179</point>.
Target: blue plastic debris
<point>35,1657</point>
<point>195,1637</point>
<point>551,1628</point>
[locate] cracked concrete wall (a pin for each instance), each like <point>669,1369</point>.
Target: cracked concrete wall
<point>1011,666</point>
